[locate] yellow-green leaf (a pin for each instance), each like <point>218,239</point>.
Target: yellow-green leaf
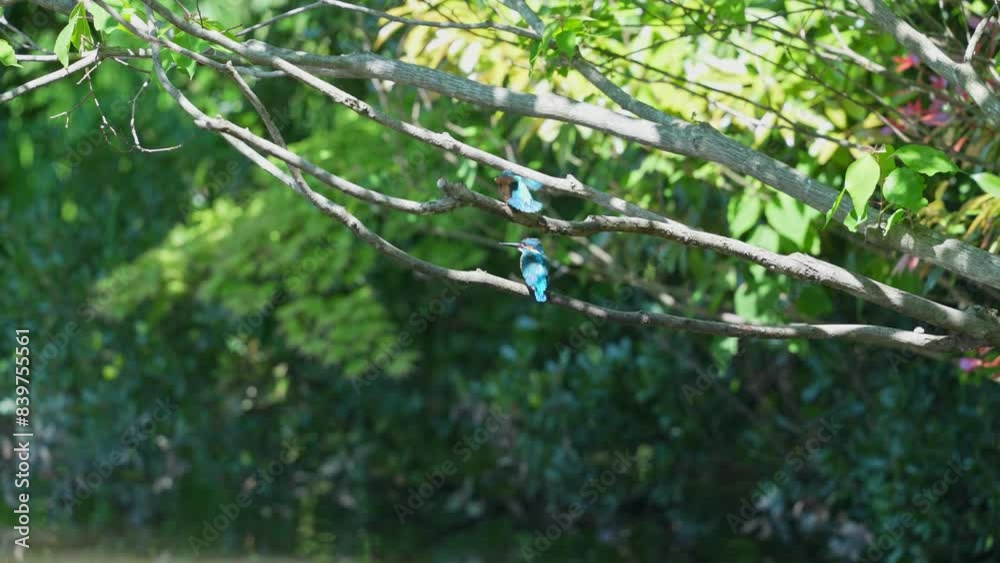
<point>905,188</point>
<point>860,180</point>
<point>925,160</point>
<point>62,44</point>
<point>7,56</point>
<point>742,213</point>
<point>990,183</point>
<point>893,219</point>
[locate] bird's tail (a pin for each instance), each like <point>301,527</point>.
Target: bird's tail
<point>539,291</point>
<point>522,201</point>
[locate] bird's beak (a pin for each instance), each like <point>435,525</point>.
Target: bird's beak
<point>514,244</point>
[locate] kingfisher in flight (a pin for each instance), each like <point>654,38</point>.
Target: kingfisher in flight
<point>534,266</point>
<point>516,191</point>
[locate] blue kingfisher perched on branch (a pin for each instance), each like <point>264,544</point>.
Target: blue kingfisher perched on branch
<point>534,266</point>
<point>518,196</point>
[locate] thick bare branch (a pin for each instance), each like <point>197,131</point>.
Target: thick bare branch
<point>667,133</point>
<point>49,78</point>
<point>860,333</point>
<point>800,266</point>
<point>950,254</point>
<point>865,334</point>
<point>656,129</point>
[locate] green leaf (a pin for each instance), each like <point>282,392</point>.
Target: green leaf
<point>886,162</point>
<point>765,237</point>
<point>566,42</point>
<point>542,44</point>
<point>731,11</point>
<point>990,183</point>
<point>742,213</point>
<point>893,219</point>
<point>757,301</point>
<point>103,21</point>
<point>788,217</point>
<point>7,56</point>
<point>833,210</point>
<point>813,302</point>
<point>905,188</point>
<point>925,160</point>
<point>852,221</point>
<point>81,29</point>
<point>860,180</point>
<point>62,44</point>
<point>191,43</point>
<point>128,13</point>
<point>212,25</point>
<point>745,302</point>
<point>73,33</point>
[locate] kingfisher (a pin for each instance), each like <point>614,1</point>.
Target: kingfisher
<point>534,266</point>
<point>520,197</point>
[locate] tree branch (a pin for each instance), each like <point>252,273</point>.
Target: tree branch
<point>54,76</point>
<point>865,334</point>
<point>385,15</point>
<point>970,262</point>
<point>803,267</point>
<point>668,133</point>
<point>957,73</point>
<point>970,50</point>
<point>798,266</point>
<point>663,132</point>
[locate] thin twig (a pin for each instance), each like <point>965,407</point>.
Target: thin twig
<point>385,15</point>
<point>135,132</point>
<point>49,78</point>
<point>23,36</point>
<point>68,113</point>
<point>105,125</point>
<point>970,51</point>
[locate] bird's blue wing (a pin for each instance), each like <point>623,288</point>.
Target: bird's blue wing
<point>522,201</point>
<point>536,275</point>
<point>532,184</point>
